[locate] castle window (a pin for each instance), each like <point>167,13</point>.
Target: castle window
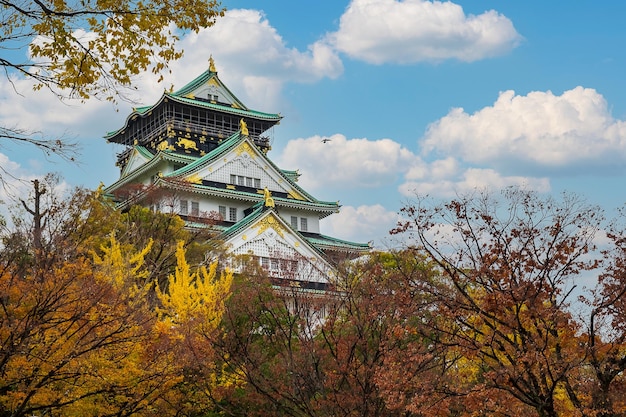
<point>294,222</point>
<point>184,207</point>
<point>304,224</point>
<point>265,263</point>
<point>232,214</point>
<point>245,181</point>
<point>278,265</point>
<point>195,208</point>
<point>222,211</point>
<point>275,264</point>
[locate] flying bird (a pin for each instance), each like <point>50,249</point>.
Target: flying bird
<point>325,140</point>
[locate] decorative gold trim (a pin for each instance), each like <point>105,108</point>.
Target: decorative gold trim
<point>269,201</point>
<point>195,179</point>
<point>212,64</point>
<point>244,127</point>
<point>187,144</point>
<point>170,132</point>
<point>270,222</point>
<point>295,195</point>
<point>162,146</point>
<point>245,147</point>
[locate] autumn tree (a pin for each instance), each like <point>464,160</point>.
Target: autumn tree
<point>80,329</point>
<point>395,294</point>
<point>190,312</point>
<point>76,338</point>
<point>602,387</point>
<point>87,48</point>
<point>264,343</point>
<point>306,353</point>
<point>510,266</point>
<point>363,339</point>
<point>83,49</point>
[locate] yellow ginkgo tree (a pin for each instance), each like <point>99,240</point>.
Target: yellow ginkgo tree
<point>191,310</point>
<point>194,297</point>
<point>79,339</point>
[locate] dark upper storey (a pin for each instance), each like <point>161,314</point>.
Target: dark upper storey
<point>193,120</point>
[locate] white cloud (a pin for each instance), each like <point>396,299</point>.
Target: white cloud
<point>351,164</point>
<point>347,163</point>
<point>544,130</point>
<point>361,224</point>
<point>379,31</point>
<point>449,183</point>
<point>42,111</point>
<point>251,58</point>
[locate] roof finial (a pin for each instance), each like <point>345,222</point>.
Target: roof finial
<point>269,201</point>
<point>212,64</point>
<point>244,127</point>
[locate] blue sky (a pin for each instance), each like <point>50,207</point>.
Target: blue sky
<point>416,96</point>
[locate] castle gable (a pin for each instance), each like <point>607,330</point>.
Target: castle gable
<point>279,248</point>
<point>215,92</point>
<point>138,157</point>
<point>243,167</point>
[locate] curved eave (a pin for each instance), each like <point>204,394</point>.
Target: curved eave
<point>270,117</point>
<point>137,112</point>
<point>146,111</point>
<point>144,152</point>
<point>158,158</point>
<point>330,243</point>
<point>323,208</point>
<point>292,175</point>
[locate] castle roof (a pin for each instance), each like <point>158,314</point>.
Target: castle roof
<point>196,94</point>
<point>194,166</point>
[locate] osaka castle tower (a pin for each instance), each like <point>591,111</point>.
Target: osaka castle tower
<point>207,154</point>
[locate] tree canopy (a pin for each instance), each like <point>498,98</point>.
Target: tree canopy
<point>83,330</point>
<point>88,48</point>
<point>479,314</point>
